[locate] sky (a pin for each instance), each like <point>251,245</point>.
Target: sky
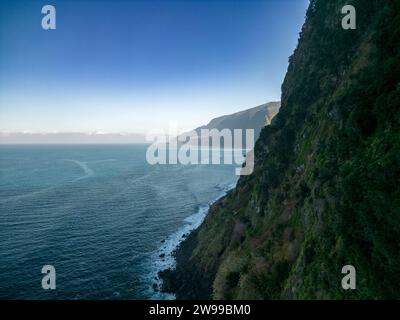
<point>137,66</point>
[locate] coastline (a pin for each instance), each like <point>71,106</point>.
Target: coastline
<point>178,280</point>
<point>177,248</point>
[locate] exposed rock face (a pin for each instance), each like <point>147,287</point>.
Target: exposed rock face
<point>254,118</point>
<point>325,189</point>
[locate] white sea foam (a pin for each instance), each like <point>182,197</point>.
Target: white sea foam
<point>83,165</point>
<point>26,195</point>
<point>163,258</point>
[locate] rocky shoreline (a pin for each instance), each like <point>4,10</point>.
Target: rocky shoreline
<point>188,280</point>
<point>184,280</point>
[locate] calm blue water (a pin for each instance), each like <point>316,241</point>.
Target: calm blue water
<point>99,214</point>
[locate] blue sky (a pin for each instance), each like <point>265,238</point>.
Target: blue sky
<point>133,66</point>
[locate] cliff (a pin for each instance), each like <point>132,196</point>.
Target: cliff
<point>325,189</point>
<point>253,118</point>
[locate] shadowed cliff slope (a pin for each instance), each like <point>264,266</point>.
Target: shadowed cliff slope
<point>253,118</point>
<point>325,189</point>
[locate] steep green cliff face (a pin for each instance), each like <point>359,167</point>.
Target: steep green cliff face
<point>325,190</point>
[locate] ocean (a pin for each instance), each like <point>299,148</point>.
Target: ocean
<point>100,214</point>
